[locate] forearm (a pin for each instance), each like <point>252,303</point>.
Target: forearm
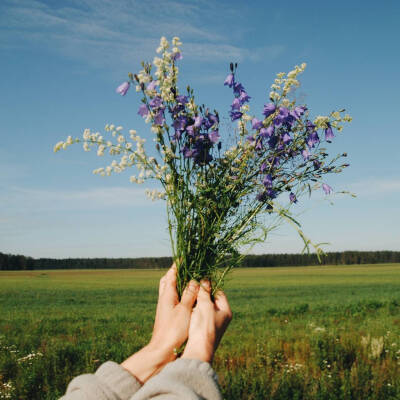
<point>148,361</point>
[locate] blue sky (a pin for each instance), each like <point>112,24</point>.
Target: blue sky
<point>60,64</point>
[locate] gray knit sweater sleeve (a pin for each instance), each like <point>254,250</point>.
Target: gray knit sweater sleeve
<point>181,379</point>
<point>110,382</point>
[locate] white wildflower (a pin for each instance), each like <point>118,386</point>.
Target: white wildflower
<point>321,122</point>
<point>274,96</point>
<point>58,146</point>
<point>86,134</point>
<point>100,150</point>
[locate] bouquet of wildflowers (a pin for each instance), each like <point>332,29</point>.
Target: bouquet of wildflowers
<point>223,194</point>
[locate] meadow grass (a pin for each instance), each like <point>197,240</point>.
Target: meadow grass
<point>330,332</point>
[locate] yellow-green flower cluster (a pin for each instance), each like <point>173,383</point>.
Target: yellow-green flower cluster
<point>166,70</point>
<point>284,83</point>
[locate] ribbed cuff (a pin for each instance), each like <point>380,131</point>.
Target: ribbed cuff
<point>182,379</point>
<point>198,374</point>
<point>118,380</point>
<point>187,364</point>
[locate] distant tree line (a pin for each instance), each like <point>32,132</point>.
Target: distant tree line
<point>18,262</point>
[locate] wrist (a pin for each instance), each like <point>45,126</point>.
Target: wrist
<point>147,362</point>
<point>162,352</point>
<point>195,353</point>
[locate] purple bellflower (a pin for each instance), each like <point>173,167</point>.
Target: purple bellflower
<point>198,121</point>
<point>236,104</point>
<point>282,116</point>
<point>312,139</point>
<point>310,126</point>
<point>256,124</point>
<point>213,119</point>
<point>326,188</point>
<point>155,102</point>
<point>190,130</point>
<point>286,138</point>
<point>271,193</point>
<point>159,117</point>
<point>263,167</point>
<point>267,181</point>
<point>238,88</point>
<point>270,131</point>
<point>152,85</point>
<point>179,124</point>
<point>235,115</point>
<point>177,56</point>
<point>143,110</point>
<point>123,88</point>
<point>329,133</point>
<point>298,111</point>
<point>306,154</point>
<point>230,80</point>
<point>244,97</point>
<point>182,99</point>
<point>214,136</point>
<point>269,109</point>
<point>292,198</point>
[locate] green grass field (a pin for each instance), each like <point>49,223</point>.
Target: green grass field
<point>297,333</point>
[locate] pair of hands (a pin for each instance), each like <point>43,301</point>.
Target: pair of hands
<point>177,321</point>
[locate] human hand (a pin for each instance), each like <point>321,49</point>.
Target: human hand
<point>207,325</point>
<point>170,328</point>
<point>173,316</point>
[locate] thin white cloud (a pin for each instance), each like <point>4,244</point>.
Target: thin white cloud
<point>22,198</point>
<point>120,34</point>
<point>375,186</point>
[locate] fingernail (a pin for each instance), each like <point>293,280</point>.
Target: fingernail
<point>206,284</point>
<point>193,285</point>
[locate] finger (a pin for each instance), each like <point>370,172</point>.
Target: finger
<point>204,295</point>
<point>165,277</point>
<point>189,295</point>
<point>222,304</point>
<point>168,293</point>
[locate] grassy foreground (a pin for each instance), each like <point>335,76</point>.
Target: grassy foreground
<point>297,333</point>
